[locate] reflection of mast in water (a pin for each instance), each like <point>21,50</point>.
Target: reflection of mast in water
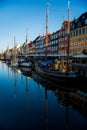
<point>67,112</point>
<point>22,78</point>
<point>8,72</point>
<point>67,117</point>
<point>3,66</point>
<point>63,97</point>
<point>39,86</point>
<point>27,91</point>
<point>15,83</point>
<point>46,101</point>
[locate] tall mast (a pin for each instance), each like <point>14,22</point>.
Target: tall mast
<point>26,35</point>
<point>26,43</point>
<point>68,31</point>
<point>7,52</point>
<point>47,27</point>
<point>15,49</point>
<point>14,42</point>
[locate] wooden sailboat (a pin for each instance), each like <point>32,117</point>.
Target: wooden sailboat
<point>67,76</point>
<point>25,62</point>
<point>8,57</point>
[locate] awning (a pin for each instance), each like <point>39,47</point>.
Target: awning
<point>80,56</point>
<point>46,62</point>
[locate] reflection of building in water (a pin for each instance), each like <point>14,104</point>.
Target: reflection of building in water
<point>75,99</point>
<point>66,98</point>
<point>63,100</point>
<point>26,71</point>
<point>79,103</point>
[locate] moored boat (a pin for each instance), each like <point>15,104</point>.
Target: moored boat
<point>56,75</point>
<point>14,64</point>
<point>61,72</point>
<point>25,64</point>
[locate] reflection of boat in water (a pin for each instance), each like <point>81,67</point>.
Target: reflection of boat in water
<point>80,84</point>
<point>26,71</point>
<point>67,100</point>
<point>25,64</point>
<point>15,69</point>
<point>57,76</point>
<point>45,81</point>
<point>73,97</point>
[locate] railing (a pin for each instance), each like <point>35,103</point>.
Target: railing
<point>79,65</point>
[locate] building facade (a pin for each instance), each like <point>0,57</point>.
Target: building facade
<point>38,46</point>
<point>53,44</point>
<point>63,39</point>
<point>78,35</point>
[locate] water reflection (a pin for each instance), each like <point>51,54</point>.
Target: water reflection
<point>46,101</point>
<point>8,68</point>
<point>26,71</point>
<point>66,98</point>
<point>2,66</point>
<point>27,90</point>
<point>40,104</point>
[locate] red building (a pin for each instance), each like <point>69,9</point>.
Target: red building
<point>63,38</point>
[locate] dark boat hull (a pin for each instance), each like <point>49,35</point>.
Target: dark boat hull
<point>57,76</point>
<point>51,84</point>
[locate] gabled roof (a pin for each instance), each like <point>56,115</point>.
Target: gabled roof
<point>38,38</point>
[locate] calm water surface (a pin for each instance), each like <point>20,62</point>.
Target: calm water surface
<point>26,104</point>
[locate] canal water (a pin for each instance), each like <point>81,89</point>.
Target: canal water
<point>28,102</point>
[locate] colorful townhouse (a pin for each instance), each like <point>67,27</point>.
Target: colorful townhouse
<point>78,34</point>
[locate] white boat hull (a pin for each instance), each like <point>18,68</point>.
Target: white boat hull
<point>14,64</point>
<point>25,64</point>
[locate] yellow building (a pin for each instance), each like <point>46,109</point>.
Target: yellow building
<point>78,35</point>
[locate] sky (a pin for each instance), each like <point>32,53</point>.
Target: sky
<point>17,16</point>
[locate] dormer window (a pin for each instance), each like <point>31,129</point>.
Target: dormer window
<point>83,17</point>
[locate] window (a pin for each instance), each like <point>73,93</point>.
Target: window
<point>86,30</point>
<point>76,32</point>
<point>71,34</point>
<point>83,31</point>
<point>79,24</point>
<point>83,17</point>
<point>79,31</point>
<point>73,26</point>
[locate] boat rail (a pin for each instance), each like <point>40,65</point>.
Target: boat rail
<point>79,65</point>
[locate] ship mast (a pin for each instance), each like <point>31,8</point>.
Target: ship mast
<point>68,32</point>
<point>47,27</point>
<point>26,44</point>
<point>26,35</point>
<point>15,48</point>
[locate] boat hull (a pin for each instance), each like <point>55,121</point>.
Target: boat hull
<point>57,77</point>
<point>25,64</point>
